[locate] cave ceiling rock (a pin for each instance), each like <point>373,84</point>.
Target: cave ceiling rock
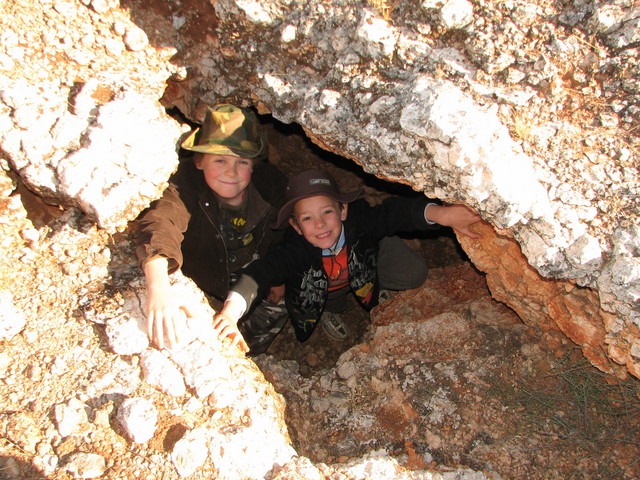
<point>397,121</point>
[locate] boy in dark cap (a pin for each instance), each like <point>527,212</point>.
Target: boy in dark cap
<point>335,248</point>
<point>214,218</point>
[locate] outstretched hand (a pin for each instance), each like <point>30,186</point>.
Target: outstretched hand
<point>459,217</point>
<point>166,318</point>
<point>166,314</point>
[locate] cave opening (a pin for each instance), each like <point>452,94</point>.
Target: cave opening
<point>428,393</point>
<point>292,151</point>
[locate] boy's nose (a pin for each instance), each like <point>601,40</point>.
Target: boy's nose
<point>231,169</point>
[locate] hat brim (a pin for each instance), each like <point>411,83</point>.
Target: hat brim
<point>286,210</point>
<point>189,144</point>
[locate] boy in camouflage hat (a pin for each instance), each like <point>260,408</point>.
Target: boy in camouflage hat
<point>213,219</point>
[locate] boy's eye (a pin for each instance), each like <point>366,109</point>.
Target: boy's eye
<point>244,162</point>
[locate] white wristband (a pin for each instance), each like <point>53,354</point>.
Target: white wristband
<point>235,305</point>
<point>425,213</point>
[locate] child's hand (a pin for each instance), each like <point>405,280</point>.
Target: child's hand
<point>459,217</point>
<point>227,327</point>
<point>276,294</point>
<point>166,318</point>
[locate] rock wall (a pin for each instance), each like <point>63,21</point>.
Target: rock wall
<point>530,128</point>
<point>525,112</point>
<point>444,375</point>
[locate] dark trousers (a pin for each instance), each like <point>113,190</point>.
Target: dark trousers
<point>261,325</point>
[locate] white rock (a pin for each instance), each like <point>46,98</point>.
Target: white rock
<point>162,373</point>
<point>70,416</point>
<point>378,35</point>
<point>85,465</point>
<point>136,39</point>
<point>12,321</point>
<point>103,6</point>
<point>127,335</point>
<point>190,452</point>
<point>139,417</point>
<point>456,13</point>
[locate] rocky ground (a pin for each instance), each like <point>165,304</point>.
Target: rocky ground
<point>539,412</point>
<point>499,397</point>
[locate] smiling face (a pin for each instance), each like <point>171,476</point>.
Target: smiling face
<point>228,176</point>
<point>319,220</point>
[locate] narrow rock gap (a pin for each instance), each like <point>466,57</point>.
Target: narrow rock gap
<point>292,151</point>
<point>39,212</point>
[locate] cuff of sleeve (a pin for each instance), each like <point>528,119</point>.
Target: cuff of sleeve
<point>429,222</point>
<point>235,304</point>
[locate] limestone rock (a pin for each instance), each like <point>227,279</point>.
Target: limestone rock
<point>70,416</point>
<point>85,465</point>
<point>139,418</point>
<point>11,321</point>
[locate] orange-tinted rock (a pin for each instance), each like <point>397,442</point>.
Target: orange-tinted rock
<point>547,303</point>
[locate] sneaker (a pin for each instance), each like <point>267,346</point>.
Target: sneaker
<point>384,296</point>
<point>332,324</point>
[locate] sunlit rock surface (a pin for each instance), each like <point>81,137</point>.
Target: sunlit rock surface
<point>504,107</point>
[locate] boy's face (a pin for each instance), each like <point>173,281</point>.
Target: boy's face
<point>319,220</point>
<point>226,175</point>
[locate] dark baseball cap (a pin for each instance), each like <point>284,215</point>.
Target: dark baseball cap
<point>309,184</point>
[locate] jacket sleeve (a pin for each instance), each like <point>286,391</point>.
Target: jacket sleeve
<point>393,215</point>
<point>275,268</point>
<point>253,283</point>
<point>160,229</point>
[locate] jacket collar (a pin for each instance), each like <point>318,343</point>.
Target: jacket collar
<point>258,207</point>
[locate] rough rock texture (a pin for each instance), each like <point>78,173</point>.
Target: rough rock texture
<point>559,304</point>
<point>445,373</point>
<point>526,112</point>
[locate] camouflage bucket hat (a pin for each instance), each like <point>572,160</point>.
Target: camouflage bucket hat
<point>227,130</point>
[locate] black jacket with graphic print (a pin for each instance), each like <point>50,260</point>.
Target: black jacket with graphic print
<point>298,264</point>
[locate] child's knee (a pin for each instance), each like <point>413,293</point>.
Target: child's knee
<point>416,275</point>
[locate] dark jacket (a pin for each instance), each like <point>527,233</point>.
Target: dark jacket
<point>298,264</point>
<point>183,225</point>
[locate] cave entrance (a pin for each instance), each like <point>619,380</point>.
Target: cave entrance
<point>489,395</point>
<point>292,151</point>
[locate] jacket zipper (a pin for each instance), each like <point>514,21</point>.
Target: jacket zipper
<point>224,244</point>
